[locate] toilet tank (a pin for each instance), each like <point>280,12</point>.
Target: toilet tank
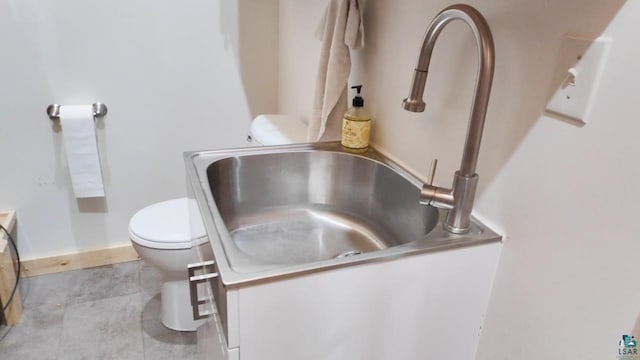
<point>277,130</point>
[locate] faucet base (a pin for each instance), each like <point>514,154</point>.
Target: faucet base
<point>458,200</point>
<point>464,190</point>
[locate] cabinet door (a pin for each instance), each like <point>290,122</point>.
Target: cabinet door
<point>208,344</point>
<point>211,342</point>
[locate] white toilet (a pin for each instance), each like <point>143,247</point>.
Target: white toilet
<point>164,238</point>
<point>168,236</point>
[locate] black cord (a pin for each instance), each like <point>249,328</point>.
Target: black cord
<point>15,287</point>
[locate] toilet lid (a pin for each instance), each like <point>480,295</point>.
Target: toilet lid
<point>167,225</point>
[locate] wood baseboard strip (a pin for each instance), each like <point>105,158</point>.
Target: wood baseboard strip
<point>80,260</point>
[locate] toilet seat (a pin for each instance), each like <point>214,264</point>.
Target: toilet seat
<point>167,225</point>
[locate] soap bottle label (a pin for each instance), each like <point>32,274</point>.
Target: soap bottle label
<point>355,134</point>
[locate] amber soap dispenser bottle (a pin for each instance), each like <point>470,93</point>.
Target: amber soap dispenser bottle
<point>356,124</point>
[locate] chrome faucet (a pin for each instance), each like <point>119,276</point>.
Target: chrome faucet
<point>459,199</point>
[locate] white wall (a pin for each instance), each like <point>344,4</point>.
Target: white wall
<point>568,199</point>
<point>170,76</point>
<point>565,197</point>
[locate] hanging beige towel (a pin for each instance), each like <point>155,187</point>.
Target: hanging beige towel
<point>340,29</point>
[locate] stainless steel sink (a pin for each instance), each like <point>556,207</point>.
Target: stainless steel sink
<point>299,207</point>
<point>281,210</point>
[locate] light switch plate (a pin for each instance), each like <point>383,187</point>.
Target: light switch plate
<point>580,77</point>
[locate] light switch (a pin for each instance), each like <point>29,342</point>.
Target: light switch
<point>572,100</point>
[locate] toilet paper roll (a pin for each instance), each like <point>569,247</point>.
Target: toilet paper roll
<point>81,147</point>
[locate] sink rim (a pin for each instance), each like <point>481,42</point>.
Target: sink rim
<point>197,163</point>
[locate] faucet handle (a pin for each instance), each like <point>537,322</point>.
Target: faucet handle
<point>432,171</point>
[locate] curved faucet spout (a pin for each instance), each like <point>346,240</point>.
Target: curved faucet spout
<point>460,198</point>
<point>486,54</point>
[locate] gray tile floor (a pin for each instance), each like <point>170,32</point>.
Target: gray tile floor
<point>109,312</point>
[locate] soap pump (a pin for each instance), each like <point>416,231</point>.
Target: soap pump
<point>356,124</point>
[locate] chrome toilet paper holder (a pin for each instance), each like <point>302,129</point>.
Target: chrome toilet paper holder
<point>99,110</point>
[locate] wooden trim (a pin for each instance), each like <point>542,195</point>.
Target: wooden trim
<point>7,272</point>
<point>80,260</point>
<point>8,220</point>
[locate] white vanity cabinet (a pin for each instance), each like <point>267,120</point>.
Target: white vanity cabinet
<point>427,306</point>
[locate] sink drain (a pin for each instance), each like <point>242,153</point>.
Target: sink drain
<point>348,253</point>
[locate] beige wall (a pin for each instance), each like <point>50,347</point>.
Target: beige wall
<point>299,51</point>
<point>565,197</point>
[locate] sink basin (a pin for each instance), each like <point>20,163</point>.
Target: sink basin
<point>300,207</point>
<point>279,210</point>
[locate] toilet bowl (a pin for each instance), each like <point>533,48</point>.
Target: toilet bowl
<point>169,235</point>
<point>165,237</point>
